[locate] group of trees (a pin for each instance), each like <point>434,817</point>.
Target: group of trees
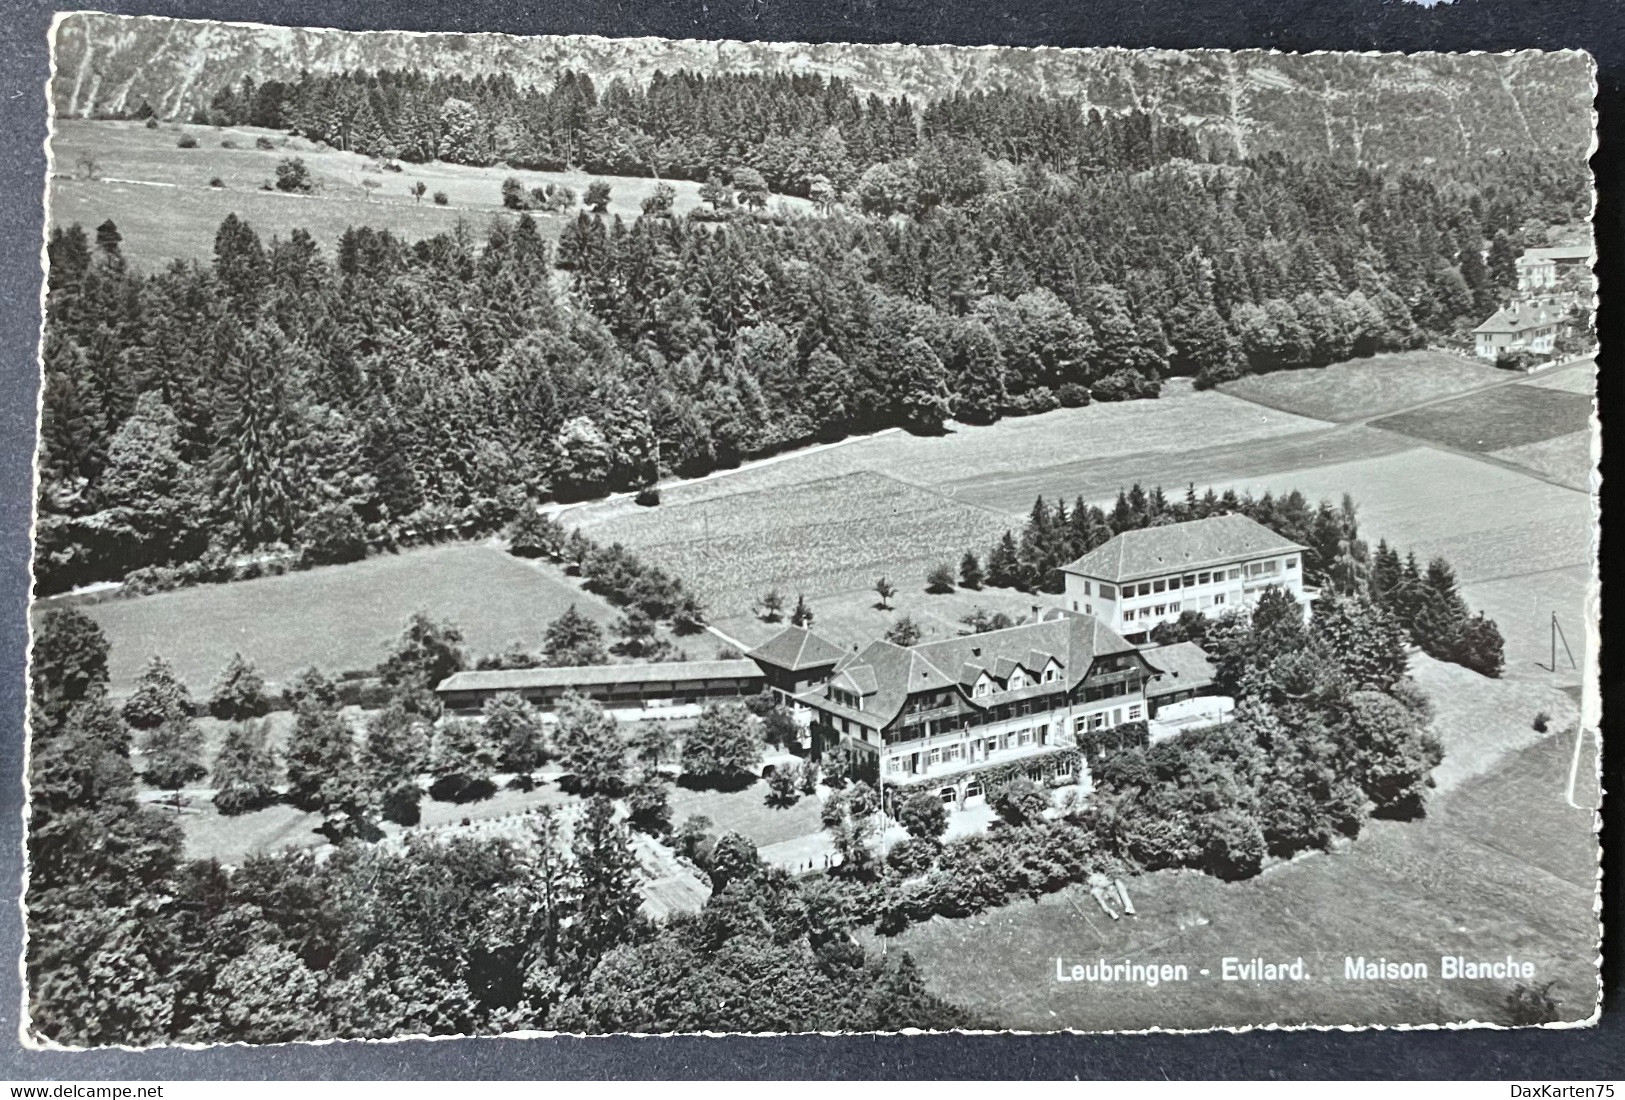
<point>1426,603</point>
<point>132,944</point>
<point>1327,732</point>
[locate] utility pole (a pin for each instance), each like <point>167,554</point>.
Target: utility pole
<point>1558,635</point>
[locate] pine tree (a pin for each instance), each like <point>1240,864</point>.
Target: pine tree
<point>802,614</point>
<point>515,730</point>
<point>590,746</point>
<point>320,757</point>
<point>172,754</point>
<point>970,571</point>
<point>158,697</point>
<point>605,887</point>
<point>239,692</point>
<point>573,639</point>
<point>245,773</point>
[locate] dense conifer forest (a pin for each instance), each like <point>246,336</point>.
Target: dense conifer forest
<point>976,257</point>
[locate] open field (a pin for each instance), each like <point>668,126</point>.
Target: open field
<point>1563,458</point>
<point>1099,479</point>
<point>338,617</point>
<point>831,535</point>
<point>1362,388</point>
<point>1578,378</point>
<point>1509,416</point>
<point>1472,879</point>
<point>1524,606</point>
<point>1479,721</point>
<point>143,178</point>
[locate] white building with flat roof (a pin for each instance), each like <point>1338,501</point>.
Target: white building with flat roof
<point>1152,575</point>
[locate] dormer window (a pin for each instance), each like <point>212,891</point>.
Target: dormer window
<point>1051,675</point>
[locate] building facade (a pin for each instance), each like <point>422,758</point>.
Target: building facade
<point>946,714</point>
<point>1522,326</point>
<point>1539,269</point>
<point>1152,575</point>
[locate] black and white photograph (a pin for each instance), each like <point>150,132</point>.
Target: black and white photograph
<point>589,536</point>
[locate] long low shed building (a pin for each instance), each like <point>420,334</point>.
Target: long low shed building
<point>618,687</point>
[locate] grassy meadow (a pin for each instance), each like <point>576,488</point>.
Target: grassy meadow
<point>160,195</point>
<point>338,617</point>
<point>1362,388</point>
<point>1470,879</point>
<point>1507,416</point>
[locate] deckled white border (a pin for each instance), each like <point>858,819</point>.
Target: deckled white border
<point>1590,704</point>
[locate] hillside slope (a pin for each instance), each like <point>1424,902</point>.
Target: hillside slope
<point>1372,109</point>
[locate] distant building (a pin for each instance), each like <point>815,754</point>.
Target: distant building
<point>661,686</point>
<point>1521,326</point>
<point>1539,269</point>
<point>1152,575</point>
<point>944,714</point>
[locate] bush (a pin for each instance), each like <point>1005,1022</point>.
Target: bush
<point>264,143</point>
<point>1124,385</point>
<point>334,534</point>
<point>440,198</point>
<point>228,144</point>
<point>1039,399</point>
<point>152,124</point>
<point>187,141</point>
<point>912,857</point>
<point>1216,374</point>
<point>239,692</point>
<point>647,497</point>
<point>1520,360</point>
<point>216,181</point>
<point>1072,395</point>
<point>1020,801</point>
<point>293,177</point>
<point>533,535</point>
<point>1479,646</point>
<point>1542,721</point>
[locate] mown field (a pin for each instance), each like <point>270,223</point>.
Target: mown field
<point>338,617</point>
<point>823,537</point>
<point>1508,416</point>
<point>1565,459</point>
<point>1472,879</point>
<point>1363,388</point>
<point>160,197</point>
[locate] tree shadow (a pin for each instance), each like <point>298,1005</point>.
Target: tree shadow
<point>460,788</point>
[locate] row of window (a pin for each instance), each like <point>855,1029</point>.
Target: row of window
<point>1193,580</point>
<point>967,750</point>
<point>1101,720</point>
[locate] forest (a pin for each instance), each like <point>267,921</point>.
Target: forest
<point>978,257</point>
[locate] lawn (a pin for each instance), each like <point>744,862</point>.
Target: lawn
<point>821,537</point>
<point>160,197</point>
<point>1495,419</point>
<point>338,617</point>
<point>1567,459</point>
<point>1524,606</point>
<point>747,813</point>
<point>1363,388</point>
<point>1580,377</point>
<point>1475,878</point>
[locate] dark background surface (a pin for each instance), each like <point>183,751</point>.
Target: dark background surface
<point>1295,25</point>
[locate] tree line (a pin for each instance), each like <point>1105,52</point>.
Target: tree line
<point>1426,603</point>
<point>132,943</point>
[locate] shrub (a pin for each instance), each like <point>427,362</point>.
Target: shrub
<point>152,124</point>
<point>216,181</point>
<point>533,535</point>
<point>1020,801</point>
<point>228,144</point>
<point>1039,399</point>
<point>264,143</point>
<point>440,198</point>
<point>647,497</point>
<point>293,176</point>
<point>912,857</point>
<point>1124,385</point>
<point>781,787</point>
<point>1072,395</point>
<point>401,804</point>
<point>187,141</point>
<point>1542,720</point>
<point>334,534</point>
<point>1479,646</point>
<point>940,579</point>
<point>922,814</point>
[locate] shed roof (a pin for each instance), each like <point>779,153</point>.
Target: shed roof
<point>586,676</point>
<point>1176,547</point>
<point>1184,666</point>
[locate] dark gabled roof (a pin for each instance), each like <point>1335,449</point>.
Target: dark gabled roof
<point>1183,665</point>
<point>1073,641</point>
<point>796,648</point>
<point>582,676</point>
<point>859,679</point>
<point>1518,317</point>
<point>1176,547</point>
